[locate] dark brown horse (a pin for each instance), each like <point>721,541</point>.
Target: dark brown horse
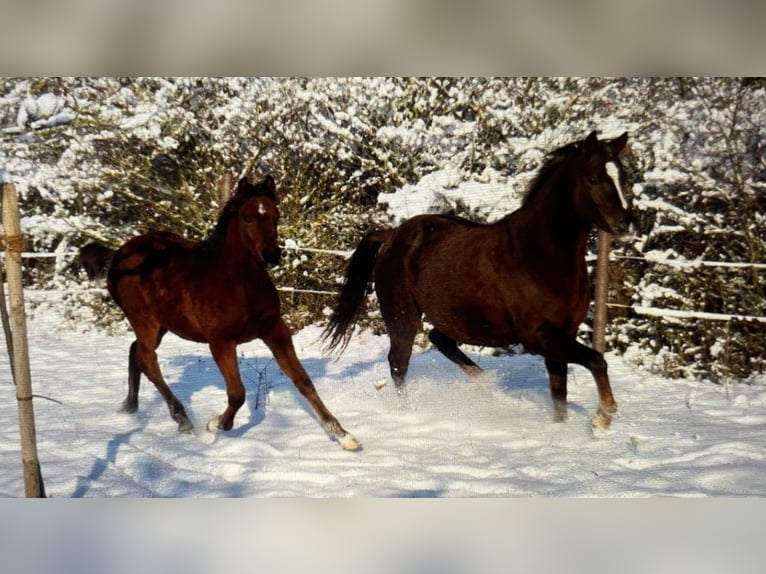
<point>522,279</point>
<point>217,292</point>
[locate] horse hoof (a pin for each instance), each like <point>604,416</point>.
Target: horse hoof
<point>214,424</point>
<point>560,411</point>
<point>560,416</point>
<point>185,427</point>
<point>480,377</point>
<point>601,420</point>
<point>476,374</point>
<point>128,408</point>
<point>348,442</point>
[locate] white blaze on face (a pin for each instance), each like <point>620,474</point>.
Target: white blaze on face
<point>614,172</point>
<point>262,209</point>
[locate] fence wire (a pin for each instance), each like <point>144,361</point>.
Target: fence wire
<point>639,309</point>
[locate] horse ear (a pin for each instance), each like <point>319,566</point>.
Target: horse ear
<point>243,185</point>
<point>271,188</point>
<point>618,143</point>
<point>591,141</point>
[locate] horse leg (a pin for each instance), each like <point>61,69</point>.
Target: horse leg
<point>565,349</point>
<point>557,373</point>
<point>225,355</point>
<point>399,355</point>
<point>130,404</point>
<point>146,359</point>
<point>449,349</point>
<point>402,320</point>
<point>281,344</point>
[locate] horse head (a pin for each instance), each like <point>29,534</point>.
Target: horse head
<point>602,187</point>
<point>257,219</point>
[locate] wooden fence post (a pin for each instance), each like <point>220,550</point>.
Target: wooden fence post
<point>33,480</point>
<point>602,291</point>
<point>225,187</point>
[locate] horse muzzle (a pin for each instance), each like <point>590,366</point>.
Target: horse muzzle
<point>625,230</point>
<point>271,257</point>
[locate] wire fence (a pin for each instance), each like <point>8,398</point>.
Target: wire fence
<point>679,314</point>
<point>644,310</point>
<point>689,264</point>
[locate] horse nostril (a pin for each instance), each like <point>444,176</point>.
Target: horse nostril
<point>626,229</point>
<point>272,257</point>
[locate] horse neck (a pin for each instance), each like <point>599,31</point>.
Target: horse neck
<point>226,250</point>
<point>550,221</point>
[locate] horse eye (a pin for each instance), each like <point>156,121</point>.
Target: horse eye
<point>247,218</point>
<point>593,179</point>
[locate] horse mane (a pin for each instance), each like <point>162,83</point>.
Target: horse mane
<point>551,165</point>
<point>227,213</point>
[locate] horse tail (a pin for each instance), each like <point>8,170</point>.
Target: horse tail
<point>351,299</point>
<point>95,259</point>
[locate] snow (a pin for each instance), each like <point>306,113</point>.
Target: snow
<point>442,189</point>
<point>446,438</point>
<point>46,110</point>
<point>676,314</point>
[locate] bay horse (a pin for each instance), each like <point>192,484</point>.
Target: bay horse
<point>216,291</point>
<point>522,279</point>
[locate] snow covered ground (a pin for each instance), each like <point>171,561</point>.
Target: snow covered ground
<point>448,438</point>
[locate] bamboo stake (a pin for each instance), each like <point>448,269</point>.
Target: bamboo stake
<point>33,480</point>
<point>225,187</point>
<point>602,291</point>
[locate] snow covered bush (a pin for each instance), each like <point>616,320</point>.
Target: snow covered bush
<point>703,198</point>
<point>108,158</point>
